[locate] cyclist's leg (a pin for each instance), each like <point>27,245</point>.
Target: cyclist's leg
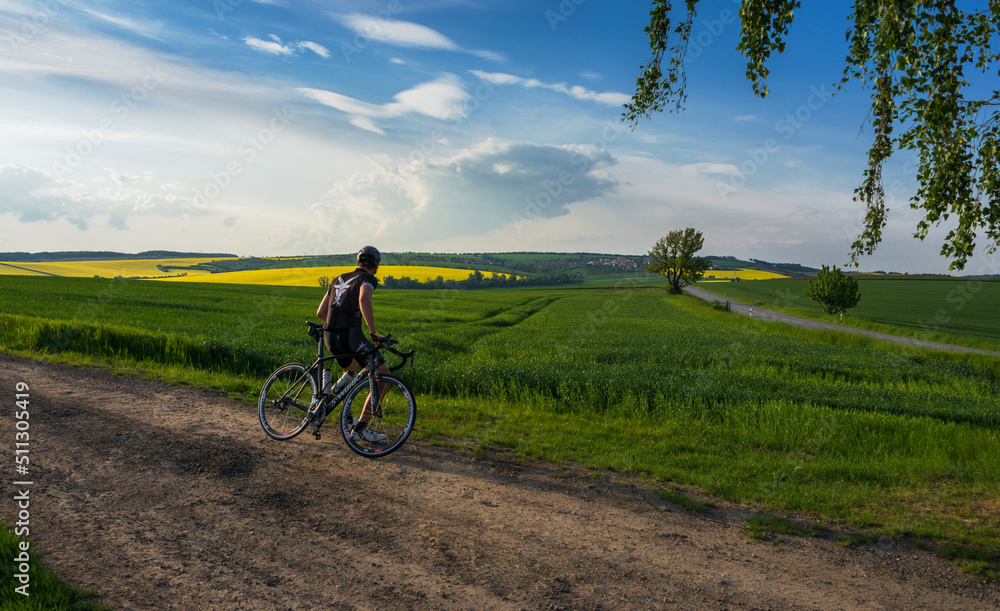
<point>395,419</point>
<point>367,413</point>
<point>364,355</point>
<point>339,342</point>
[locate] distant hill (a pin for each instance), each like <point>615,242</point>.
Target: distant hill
<point>787,269</point>
<point>89,255</point>
<point>519,263</point>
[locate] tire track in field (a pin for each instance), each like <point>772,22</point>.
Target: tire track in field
<point>29,270</point>
<point>510,317</point>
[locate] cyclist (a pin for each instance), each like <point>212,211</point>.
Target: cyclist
<point>346,304</point>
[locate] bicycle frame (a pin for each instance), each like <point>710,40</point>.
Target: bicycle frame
<point>292,399</point>
<point>315,331</point>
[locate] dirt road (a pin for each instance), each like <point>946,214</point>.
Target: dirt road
<point>164,497</point>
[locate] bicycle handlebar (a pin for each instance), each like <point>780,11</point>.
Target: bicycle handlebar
<point>385,342</point>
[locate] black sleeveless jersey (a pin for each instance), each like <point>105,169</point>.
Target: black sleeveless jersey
<point>345,312</point>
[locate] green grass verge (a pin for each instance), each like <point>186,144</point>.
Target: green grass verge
<point>684,501</point>
<point>767,527</point>
<point>40,588</point>
<point>978,562</point>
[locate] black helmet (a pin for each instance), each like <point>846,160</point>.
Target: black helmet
<point>369,255</point>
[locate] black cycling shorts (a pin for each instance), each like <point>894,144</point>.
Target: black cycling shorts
<point>348,345</point>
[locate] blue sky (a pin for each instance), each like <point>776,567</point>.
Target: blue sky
<point>282,128</point>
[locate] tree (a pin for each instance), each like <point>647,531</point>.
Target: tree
<point>674,257</point>
<point>914,56</point>
<point>834,291</point>
<point>475,278</point>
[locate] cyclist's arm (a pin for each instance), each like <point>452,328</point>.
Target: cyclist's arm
<point>324,307</point>
<point>365,303</point>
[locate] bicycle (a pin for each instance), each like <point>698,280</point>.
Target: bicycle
<point>292,400</point>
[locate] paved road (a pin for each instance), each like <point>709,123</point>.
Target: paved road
<point>764,314</point>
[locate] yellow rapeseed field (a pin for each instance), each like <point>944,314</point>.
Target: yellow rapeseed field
<point>17,269</point>
<point>129,268</point>
<point>309,276</point>
<point>719,275</point>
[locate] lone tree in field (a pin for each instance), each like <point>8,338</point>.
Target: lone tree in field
<point>674,257</point>
<point>914,57</point>
<point>833,290</point>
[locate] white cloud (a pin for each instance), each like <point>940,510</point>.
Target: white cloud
<point>650,197</point>
<point>32,196</point>
<point>710,168</point>
<point>316,48</point>
<point>276,47</point>
<point>406,34</point>
<point>609,98</point>
<point>400,33</point>
<point>492,56</point>
<point>481,188</point>
<point>344,103</point>
<point>440,99</point>
<point>143,29</point>
<point>124,178</point>
<point>118,66</point>
<point>365,123</point>
<point>771,225</point>
<point>499,78</point>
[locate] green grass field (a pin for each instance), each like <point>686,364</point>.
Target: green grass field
<point>960,310</point>
<point>855,432</point>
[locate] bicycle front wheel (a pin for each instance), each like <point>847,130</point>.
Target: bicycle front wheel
<point>393,414</point>
<point>284,401</point>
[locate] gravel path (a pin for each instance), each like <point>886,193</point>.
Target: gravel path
<point>758,312</point>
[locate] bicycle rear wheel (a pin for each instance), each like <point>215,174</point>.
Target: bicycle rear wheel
<point>284,401</point>
<point>395,413</point>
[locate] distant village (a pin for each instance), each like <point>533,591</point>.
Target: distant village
<point>623,262</point>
